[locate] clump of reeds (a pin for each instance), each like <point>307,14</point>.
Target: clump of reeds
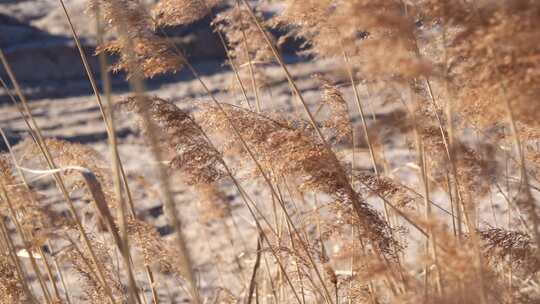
<point>288,147</point>
<point>458,83</point>
<point>193,156</point>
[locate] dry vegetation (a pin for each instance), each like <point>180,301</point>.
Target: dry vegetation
<point>464,79</point>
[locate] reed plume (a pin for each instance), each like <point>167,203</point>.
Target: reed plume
<point>68,154</point>
<point>193,154</point>
<point>513,247</point>
<point>81,263</point>
<point>181,12</point>
<point>359,29</point>
<point>153,54</point>
<point>246,47</point>
<point>338,121</point>
<point>385,188</point>
<point>238,26</point>
<point>155,251</point>
<point>34,217</point>
<point>476,30</point>
<point>289,150</point>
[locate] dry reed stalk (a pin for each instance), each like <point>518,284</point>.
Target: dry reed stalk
<point>361,111</point>
<point>118,171</point>
<point>130,19</point>
<point>253,282</point>
<point>247,49</point>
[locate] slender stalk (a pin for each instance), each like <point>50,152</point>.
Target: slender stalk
<point>523,186</point>
<point>430,242</point>
<point>253,281</point>
<point>250,65</point>
<point>137,85</point>
<point>133,289</point>
<point>360,110</point>
<point>49,273</point>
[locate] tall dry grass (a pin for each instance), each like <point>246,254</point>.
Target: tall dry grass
<point>461,78</point>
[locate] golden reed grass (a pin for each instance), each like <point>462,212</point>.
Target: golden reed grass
<point>461,79</point>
